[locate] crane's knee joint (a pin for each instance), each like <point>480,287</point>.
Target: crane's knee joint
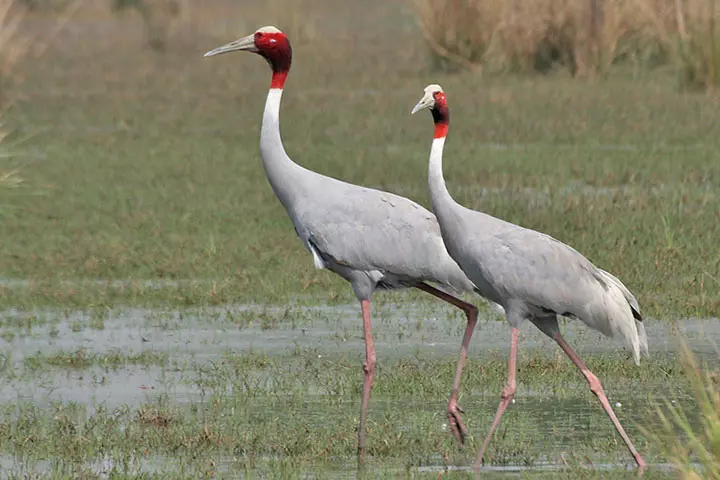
<point>369,366</point>
<point>508,392</point>
<point>595,385</point>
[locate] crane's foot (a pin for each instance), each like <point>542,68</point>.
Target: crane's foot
<point>457,426</point>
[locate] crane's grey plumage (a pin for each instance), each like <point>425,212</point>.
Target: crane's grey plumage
<point>532,275</point>
<point>371,238</point>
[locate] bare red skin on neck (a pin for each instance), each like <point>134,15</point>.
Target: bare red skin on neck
<point>278,80</point>
<point>441,130</point>
<point>441,115</point>
<point>275,48</point>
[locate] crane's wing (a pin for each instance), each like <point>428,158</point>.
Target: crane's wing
<point>543,271</point>
<point>371,230</point>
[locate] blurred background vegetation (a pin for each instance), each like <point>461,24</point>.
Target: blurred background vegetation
<point>568,119</point>
<point>584,36</point>
<point>587,37</point>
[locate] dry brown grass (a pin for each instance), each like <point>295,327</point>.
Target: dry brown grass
<point>689,29</point>
<point>585,36</point>
<point>519,35</point>
<point>459,32</point>
<point>9,177</point>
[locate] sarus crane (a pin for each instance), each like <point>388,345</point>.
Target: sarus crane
<point>371,238</point>
<point>531,275</point>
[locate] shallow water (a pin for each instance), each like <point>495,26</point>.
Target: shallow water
<point>210,330</point>
<point>203,336</point>
<point>206,334</point>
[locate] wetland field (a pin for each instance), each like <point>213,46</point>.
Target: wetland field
<point>159,317</point>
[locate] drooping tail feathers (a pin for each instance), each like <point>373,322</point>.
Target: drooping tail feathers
<point>639,327</point>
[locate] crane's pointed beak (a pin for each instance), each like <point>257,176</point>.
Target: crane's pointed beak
<point>426,102</point>
<point>246,43</point>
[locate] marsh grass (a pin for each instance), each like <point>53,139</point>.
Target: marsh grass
<point>154,191</point>
<point>81,358</point>
<point>15,44</point>
<point>12,46</point>
<point>691,439</point>
<point>258,413</point>
<point>9,175</point>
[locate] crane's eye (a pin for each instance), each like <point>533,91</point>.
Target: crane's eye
<point>272,40</point>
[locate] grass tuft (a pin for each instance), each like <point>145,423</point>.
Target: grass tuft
<point>691,439</point>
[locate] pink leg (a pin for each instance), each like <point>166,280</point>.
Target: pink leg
<point>369,369</point>
<point>507,394</point>
<point>454,410</point>
<point>597,389</point>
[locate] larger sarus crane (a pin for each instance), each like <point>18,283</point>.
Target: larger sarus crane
<point>532,275</point>
<point>372,239</point>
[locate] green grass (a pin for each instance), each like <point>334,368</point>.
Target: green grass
<point>143,187</point>
<point>81,358</point>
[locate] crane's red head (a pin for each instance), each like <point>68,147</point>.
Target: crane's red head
<point>268,42</point>
<point>435,100</point>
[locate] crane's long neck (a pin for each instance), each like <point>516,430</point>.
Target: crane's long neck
<point>281,171</point>
<point>442,202</point>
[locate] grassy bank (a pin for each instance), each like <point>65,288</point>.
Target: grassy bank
<point>149,166</point>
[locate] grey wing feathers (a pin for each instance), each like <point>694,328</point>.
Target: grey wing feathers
<point>543,270</point>
<point>552,276</point>
<point>372,230</point>
<point>634,306</point>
